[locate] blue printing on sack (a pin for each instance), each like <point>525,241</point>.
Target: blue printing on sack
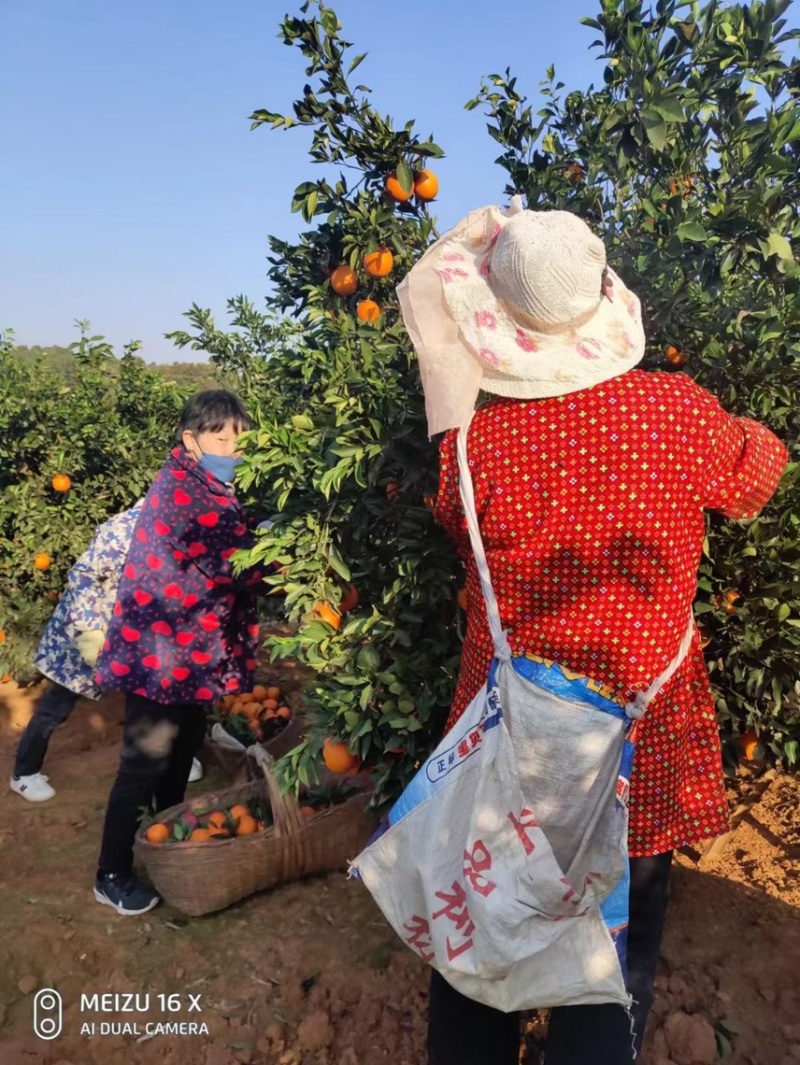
<point>563,683</point>
<point>437,768</point>
<point>614,911</point>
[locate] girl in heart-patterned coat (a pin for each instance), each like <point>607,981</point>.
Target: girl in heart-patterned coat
<point>183,630</point>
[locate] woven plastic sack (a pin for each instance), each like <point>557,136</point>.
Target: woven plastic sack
<point>504,863</point>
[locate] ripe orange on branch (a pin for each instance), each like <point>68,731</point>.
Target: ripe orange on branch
<point>61,483</point>
<point>378,263</point>
<point>344,280</point>
<point>42,561</point>
<point>368,311</point>
<point>674,356</point>
<point>396,191</point>
<point>748,744</point>
<point>338,757</point>
<point>325,612</point>
<point>426,186</point>
<point>349,600</point>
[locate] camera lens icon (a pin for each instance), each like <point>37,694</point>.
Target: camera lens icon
<point>48,1013</point>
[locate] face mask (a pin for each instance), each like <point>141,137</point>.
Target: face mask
<point>223,467</point>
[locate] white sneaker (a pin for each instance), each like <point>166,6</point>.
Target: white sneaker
<point>196,772</point>
<point>33,788</point>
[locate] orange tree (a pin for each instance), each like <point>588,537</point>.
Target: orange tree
<point>686,161</point>
<point>340,448</point>
<point>71,455</point>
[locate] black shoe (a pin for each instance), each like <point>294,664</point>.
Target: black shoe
<point>125,894</point>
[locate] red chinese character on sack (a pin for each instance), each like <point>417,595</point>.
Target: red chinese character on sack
<point>521,824</point>
<point>475,738</point>
<point>455,910</point>
<point>475,865</point>
<point>419,938</point>
<point>570,895</point>
<point>463,749</point>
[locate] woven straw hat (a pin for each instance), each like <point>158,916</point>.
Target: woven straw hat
<point>520,304</point>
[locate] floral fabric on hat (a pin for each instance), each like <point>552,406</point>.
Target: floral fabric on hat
<point>591,507</point>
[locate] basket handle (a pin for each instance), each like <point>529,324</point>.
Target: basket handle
<point>285,811</point>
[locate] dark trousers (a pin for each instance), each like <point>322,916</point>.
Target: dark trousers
<point>158,745</point>
<point>52,710</point>
<point>464,1032</point>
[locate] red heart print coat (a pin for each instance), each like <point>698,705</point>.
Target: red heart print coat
<point>183,628</point>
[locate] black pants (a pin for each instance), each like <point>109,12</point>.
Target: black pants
<point>158,745</point>
<point>52,710</point>
<point>464,1032</point>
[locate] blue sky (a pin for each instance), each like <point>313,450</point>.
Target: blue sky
<point>131,184</point>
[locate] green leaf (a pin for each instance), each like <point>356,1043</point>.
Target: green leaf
<point>330,22</point>
<point>655,128</point>
<point>779,246</point>
<point>359,59</point>
<point>691,231</point>
<point>405,176</point>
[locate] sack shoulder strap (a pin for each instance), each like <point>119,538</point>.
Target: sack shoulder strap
<point>502,649</point>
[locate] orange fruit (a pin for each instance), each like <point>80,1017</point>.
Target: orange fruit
<point>260,692</point>
<point>396,190</point>
<point>378,263</point>
<point>307,811</point>
<point>349,600</point>
<point>158,833</point>
<point>61,483</point>
<point>344,280</point>
<point>426,185</point>
<point>270,704</point>
<point>393,491</point>
<point>461,598</point>
<point>368,311</point>
<point>239,810</point>
<point>283,712</point>
<point>338,757</point>
<point>218,832</point>
<point>705,637</point>
<point>274,692</point>
<point>675,357</point>
<point>217,818</point>
<point>247,826</point>
<point>41,561</point>
<point>429,501</point>
<point>748,743</point>
<point>325,612</point>
<point>200,835</point>
<point>2,636</point>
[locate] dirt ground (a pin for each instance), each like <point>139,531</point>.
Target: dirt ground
<point>310,974</point>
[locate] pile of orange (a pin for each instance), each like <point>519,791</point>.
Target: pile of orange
<point>239,820</point>
<point>264,710</point>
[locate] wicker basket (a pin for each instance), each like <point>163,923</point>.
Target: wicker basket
<point>199,878</point>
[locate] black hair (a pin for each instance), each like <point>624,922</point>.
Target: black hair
<point>208,412</point>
